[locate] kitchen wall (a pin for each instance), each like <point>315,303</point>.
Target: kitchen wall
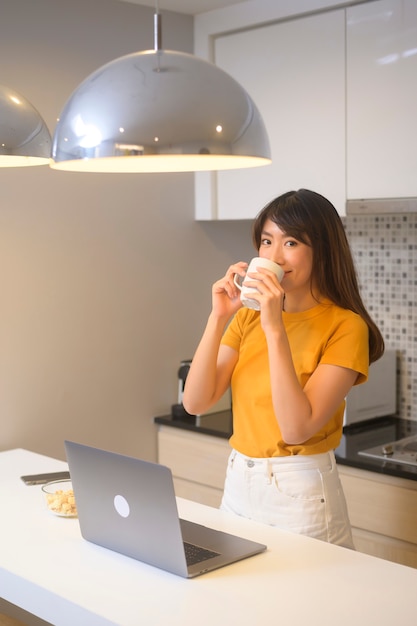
<point>385,250</point>
<point>104,279</point>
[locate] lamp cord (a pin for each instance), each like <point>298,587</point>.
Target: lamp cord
<point>157,37</point>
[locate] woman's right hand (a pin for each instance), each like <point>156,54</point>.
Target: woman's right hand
<point>225,295</point>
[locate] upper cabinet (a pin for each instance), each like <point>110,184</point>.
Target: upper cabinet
<point>295,72</point>
<point>382,99</point>
<point>338,93</point>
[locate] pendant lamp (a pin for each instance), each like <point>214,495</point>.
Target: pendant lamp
<point>159,111</point>
<point>24,137</point>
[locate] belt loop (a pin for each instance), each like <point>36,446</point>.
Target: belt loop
<point>268,472</point>
<point>232,458</point>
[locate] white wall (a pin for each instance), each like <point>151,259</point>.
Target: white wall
<point>104,279</point>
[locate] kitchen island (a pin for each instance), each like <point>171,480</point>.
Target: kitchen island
<point>47,569</point>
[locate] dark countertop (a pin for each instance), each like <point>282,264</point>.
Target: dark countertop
<point>355,438</point>
<point>215,424</point>
<point>372,433</point>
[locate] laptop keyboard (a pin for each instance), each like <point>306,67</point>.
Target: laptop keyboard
<point>195,554</point>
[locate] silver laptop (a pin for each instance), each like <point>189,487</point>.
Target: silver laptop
<point>128,505</point>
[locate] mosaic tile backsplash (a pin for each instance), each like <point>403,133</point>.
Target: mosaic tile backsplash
<point>385,252</point>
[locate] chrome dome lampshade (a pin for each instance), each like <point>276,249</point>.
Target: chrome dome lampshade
<point>159,111</point>
<point>24,137</point>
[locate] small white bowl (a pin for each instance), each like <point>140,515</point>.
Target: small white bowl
<point>59,498</point>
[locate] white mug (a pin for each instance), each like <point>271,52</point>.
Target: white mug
<point>246,291</point>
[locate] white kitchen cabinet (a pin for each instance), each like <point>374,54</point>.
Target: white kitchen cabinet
<point>382,99</point>
<point>338,93</point>
<point>295,72</point>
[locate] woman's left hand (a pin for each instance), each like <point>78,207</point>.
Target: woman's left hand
<point>270,295</point>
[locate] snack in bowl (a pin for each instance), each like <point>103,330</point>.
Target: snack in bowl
<point>59,498</point>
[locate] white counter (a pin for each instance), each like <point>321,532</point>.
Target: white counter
<point>49,570</point>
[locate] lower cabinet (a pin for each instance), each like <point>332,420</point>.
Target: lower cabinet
<point>383,514</point>
<point>382,509</point>
<point>198,463</point>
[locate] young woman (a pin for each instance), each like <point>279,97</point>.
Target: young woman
<point>290,366</point>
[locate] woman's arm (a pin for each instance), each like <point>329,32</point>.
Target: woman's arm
<point>210,372</point>
<point>301,413</point>
<point>212,365</point>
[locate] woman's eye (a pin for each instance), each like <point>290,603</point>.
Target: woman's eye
<point>265,242</point>
<point>290,243</point>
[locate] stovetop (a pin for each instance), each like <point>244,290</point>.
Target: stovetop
<point>401,451</point>
<point>362,443</point>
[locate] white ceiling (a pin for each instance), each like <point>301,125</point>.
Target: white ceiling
<point>192,7</point>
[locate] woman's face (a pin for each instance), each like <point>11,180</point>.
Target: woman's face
<point>295,258</point>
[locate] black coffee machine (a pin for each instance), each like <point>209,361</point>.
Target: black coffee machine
<point>178,411</point>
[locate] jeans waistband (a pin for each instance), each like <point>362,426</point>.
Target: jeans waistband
<point>325,460</point>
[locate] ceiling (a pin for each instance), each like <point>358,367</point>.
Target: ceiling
<point>191,7</point>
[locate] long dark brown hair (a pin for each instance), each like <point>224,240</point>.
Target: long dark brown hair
<point>312,219</point>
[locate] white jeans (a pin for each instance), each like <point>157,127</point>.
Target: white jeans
<point>301,494</point>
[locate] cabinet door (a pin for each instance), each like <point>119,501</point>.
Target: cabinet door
<point>295,72</point>
<point>383,512</point>
<point>382,99</point>
<point>198,463</point>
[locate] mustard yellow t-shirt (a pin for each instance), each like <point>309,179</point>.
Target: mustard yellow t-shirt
<point>323,334</point>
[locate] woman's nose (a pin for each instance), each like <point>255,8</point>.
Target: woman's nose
<point>277,256</point>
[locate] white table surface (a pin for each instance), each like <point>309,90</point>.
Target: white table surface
<point>47,569</point>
